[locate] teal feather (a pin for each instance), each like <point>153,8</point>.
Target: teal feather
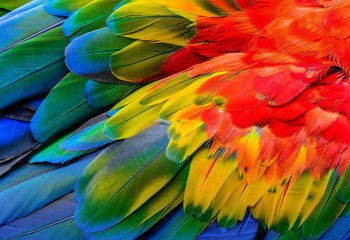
<point>96,11</point>
<point>32,68</point>
<point>62,109</point>
<point>54,222</point>
<point>89,55</point>
<point>86,139</point>
<point>25,30</point>
<point>21,9</point>
<point>101,95</point>
<point>31,187</point>
<point>131,170</point>
<point>52,152</point>
<point>64,7</point>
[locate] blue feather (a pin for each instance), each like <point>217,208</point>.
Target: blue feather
<point>29,187</point>
<point>24,8</point>
<point>15,138</point>
<point>89,55</point>
<point>89,138</point>
<point>54,221</point>
<point>25,30</point>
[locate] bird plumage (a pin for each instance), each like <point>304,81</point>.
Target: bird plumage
<point>175,115</point>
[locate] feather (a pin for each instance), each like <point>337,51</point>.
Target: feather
<point>54,221</point>
<point>26,31</point>
<point>140,60</point>
<point>19,8</point>
<point>147,21</point>
<point>19,113</point>
<point>91,170</point>
<point>86,56</point>
<point>32,68</point>
<point>131,172</point>
<point>62,109</point>
<point>12,5</point>
<point>30,187</point>
<point>15,138</point>
<point>207,175</point>
<point>150,212</point>
<point>64,7</point>
<point>52,152</point>
<point>7,166</point>
<point>33,105</point>
<point>93,12</point>
<point>86,139</point>
<point>176,225</point>
<point>102,95</point>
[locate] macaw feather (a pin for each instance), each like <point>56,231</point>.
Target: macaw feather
<point>30,187</point>
<point>64,8</point>
<point>15,138</point>
<point>95,11</point>
<point>18,9</point>
<point>127,168</point>
<point>206,178</point>
<point>140,61</point>
<point>87,139</point>
<point>87,57</point>
<point>52,152</point>
<point>33,67</point>
<point>56,115</point>
<point>54,221</point>
<point>102,95</point>
<point>151,211</point>
<point>44,22</point>
<point>177,225</point>
<point>149,21</point>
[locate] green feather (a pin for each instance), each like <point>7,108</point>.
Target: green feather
<point>54,154</point>
<point>64,7</point>
<point>96,11</point>
<point>136,171</point>
<point>12,4</point>
<point>32,68</point>
<point>343,190</point>
<point>101,95</point>
<point>151,211</point>
<point>140,60</point>
<point>63,108</point>
<point>149,22</point>
<point>24,27</point>
<point>89,55</point>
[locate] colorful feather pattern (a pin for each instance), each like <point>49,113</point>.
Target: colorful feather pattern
<point>182,119</point>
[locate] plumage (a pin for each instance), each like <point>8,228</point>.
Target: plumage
<point>168,118</point>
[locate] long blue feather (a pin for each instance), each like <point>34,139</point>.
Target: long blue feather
<point>24,8</point>
<point>25,29</point>
<point>54,221</point>
<point>31,187</point>
<point>15,138</point>
<point>89,55</point>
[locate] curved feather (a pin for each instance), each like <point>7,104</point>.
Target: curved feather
<point>33,67</point>
<point>29,5</point>
<point>22,194</point>
<point>101,95</point>
<point>15,138</point>
<point>95,11</point>
<point>64,7</point>
<point>129,170</point>
<point>54,221</point>
<point>62,109</point>
<point>86,56</point>
<point>148,21</point>
<point>25,30</point>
